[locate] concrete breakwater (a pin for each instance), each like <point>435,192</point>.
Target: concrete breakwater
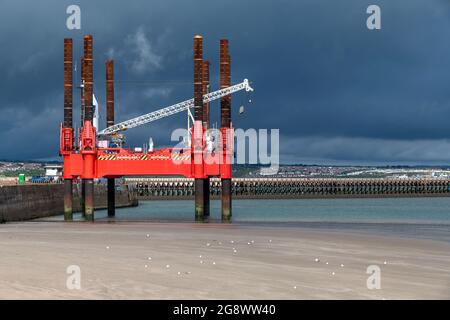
<point>293,188</point>
<point>27,202</point>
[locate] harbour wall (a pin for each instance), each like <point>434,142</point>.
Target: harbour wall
<point>292,188</point>
<point>25,202</point>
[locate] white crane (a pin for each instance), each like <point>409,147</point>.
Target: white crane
<point>176,108</point>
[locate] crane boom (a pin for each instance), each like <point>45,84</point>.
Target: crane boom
<point>176,108</point>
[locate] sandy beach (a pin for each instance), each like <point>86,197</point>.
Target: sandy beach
<point>142,260</point>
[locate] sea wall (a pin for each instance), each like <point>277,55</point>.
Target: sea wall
<point>294,188</point>
<point>25,202</point>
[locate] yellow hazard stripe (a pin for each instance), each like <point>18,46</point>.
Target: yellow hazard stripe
<point>146,157</point>
<point>107,157</point>
<point>181,157</point>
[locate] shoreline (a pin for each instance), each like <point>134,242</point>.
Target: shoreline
<point>425,219</point>
<point>404,230</point>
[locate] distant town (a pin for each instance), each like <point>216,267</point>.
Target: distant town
<point>12,169</point>
<point>320,171</point>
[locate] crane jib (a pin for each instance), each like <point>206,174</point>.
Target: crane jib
<point>181,106</point>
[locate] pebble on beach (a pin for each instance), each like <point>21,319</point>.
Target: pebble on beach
<point>316,260</point>
<point>167,266</point>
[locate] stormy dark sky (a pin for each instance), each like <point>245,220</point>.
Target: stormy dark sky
<point>338,92</point>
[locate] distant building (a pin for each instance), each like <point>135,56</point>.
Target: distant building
<point>53,170</point>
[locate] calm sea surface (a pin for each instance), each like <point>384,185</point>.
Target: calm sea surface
<point>411,217</point>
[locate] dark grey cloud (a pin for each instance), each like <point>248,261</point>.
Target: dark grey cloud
<point>337,91</point>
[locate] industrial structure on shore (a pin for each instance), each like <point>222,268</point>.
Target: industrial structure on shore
<point>90,153</point>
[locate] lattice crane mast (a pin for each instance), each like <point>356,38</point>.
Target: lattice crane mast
<point>173,109</point>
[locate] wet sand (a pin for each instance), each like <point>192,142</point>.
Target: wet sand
<point>147,260</point>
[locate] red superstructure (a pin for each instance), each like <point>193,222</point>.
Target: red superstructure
<point>91,162</point>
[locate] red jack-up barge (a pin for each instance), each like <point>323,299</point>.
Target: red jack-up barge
<point>91,157</point>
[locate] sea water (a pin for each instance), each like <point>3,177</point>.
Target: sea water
<point>411,217</point>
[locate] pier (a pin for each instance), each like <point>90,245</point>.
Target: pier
<point>285,188</point>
